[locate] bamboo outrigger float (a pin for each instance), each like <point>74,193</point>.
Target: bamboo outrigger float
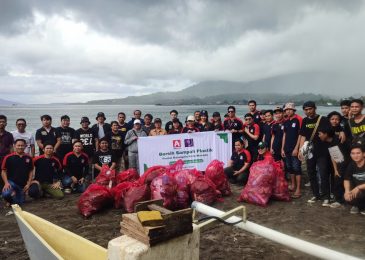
<point>47,241</point>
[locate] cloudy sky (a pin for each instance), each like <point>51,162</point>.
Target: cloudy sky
<point>75,51</point>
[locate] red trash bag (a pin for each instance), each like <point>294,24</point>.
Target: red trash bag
<point>134,195</point>
<point>152,173</point>
<point>280,189</point>
<point>106,177</point>
<point>183,191</point>
<point>190,174</point>
<point>215,173</point>
<point>260,183</point>
<point>128,175</point>
<point>95,198</point>
<point>177,166</point>
<point>164,187</point>
<point>204,191</point>
<point>119,191</point>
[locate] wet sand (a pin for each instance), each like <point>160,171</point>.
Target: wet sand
<point>333,228</point>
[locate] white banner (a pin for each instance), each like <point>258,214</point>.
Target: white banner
<point>197,150</point>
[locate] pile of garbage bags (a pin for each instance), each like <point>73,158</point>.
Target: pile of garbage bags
<point>176,186</point>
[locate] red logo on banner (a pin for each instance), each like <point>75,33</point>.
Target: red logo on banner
<point>176,144</point>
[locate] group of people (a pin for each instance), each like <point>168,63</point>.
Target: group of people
<point>332,147</point>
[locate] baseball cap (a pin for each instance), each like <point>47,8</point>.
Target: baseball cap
<point>84,119</point>
<point>204,113</point>
<point>137,121</point>
<point>289,106</point>
<point>278,109</point>
<point>191,118</point>
<point>100,114</point>
<point>309,104</point>
<point>261,145</point>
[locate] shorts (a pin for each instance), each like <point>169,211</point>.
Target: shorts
<point>293,164</point>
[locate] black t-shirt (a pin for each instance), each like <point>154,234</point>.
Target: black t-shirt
<point>124,128</point>
<point>278,132</point>
<point>308,125</point>
<point>218,126</point>
<point>87,137</point>
<point>101,158</point>
<point>267,131</point>
<point>256,117</point>
<point>239,159</point>
<point>169,126</point>
<point>340,153</point>
<point>358,130</point>
<point>77,166</point>
<point>355,174</point>
<point>47,169</point>
<point>17,168</point>
<point>116,142</point>
<point>346,128</point>
<point>291,129</point>
<point>254,129</point>
<point>66,135</point>
<point>147,129</point>
<point>46,137</point>
<point>233,124</point>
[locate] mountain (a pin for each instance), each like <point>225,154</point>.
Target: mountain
<point>269,90</point>
<point>4,102</point>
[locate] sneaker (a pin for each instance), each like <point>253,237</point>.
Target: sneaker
<point>313,200</point>
<point>325,203</point>
<point>67,191</point>
<point>354,210</point>
<point>335,205</point>
<point>308,184</point>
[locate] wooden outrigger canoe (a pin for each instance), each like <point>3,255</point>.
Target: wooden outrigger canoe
<point>45,240</point>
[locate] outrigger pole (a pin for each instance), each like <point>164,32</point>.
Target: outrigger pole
<point>286,240</point>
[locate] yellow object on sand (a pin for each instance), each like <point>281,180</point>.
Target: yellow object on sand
<point>150,218</point>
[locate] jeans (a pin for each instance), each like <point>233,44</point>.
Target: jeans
<point>323,164</point>
<point>293,164</point>
<point>14,195</point>
<point>77,187</point>
<point>133,161</point>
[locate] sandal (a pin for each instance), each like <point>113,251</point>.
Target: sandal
<point>296,196</point>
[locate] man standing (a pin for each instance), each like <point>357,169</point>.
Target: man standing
<point>267,127</point>
<point>157,130</point>
<point>6,139</point>
<point>116,140</point>
<point>131,140</point>
<point>252,135</point>
<point>87,136</point>
<point>256,114</point>
<point>122,125</point>
<point>101,128</point>
<point>233,124</point>
<point>17,169</point>
<point>290,148</point>
<point>320,156</point>
<point>148,126</point>
<point>357,121</point>
<point>67,135</point>
<point>277,134</point>
<point>47,134</point>
<point>20,133</point>
<point>137,115</point>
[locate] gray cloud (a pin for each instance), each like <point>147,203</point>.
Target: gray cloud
<point>119,48</point>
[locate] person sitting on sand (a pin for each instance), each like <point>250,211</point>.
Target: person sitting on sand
<point>17,173</point>
<point>354,182</point>
<point>76,165</point>
<point>238,165</point>
<point>47,177</point>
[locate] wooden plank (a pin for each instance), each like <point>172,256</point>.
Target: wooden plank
<point>143,205</point>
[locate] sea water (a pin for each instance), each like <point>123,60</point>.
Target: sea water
<point>32,113</point>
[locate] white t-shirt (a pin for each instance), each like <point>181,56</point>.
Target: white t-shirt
<point>28,137</point>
